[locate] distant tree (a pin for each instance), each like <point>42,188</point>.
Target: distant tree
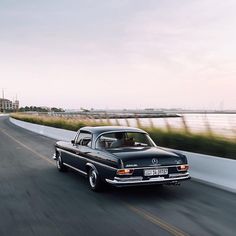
<point>40,109</point>
<point>54,109</point>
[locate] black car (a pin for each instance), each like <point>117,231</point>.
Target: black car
<point>120,156</point>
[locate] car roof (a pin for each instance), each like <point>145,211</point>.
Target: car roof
<point>102,129</point>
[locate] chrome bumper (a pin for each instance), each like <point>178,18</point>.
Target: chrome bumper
<point>140,181</point>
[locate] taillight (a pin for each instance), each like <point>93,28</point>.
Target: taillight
<point>183,168</point>
<point>125,172</point>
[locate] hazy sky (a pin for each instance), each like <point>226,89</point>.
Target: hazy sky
<point>119,53</point>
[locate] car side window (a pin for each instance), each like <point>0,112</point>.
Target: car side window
<point>84,139</point>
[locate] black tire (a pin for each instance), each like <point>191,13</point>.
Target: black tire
<point>94,180</point>
<point>60,166</point>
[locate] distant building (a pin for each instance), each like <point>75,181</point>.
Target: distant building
<point>7,105</point>
<point>15,105</point>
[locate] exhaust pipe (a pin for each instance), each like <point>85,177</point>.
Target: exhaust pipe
<point>175,183</point>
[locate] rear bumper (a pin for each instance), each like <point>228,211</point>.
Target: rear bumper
<point>134,181</point>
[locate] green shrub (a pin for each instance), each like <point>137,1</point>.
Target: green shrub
<point>199,143</point>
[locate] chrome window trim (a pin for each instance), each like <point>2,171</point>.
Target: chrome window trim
<point>77,136</point>
<point>125,130</point>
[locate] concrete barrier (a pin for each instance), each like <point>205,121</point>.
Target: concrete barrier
<point>55,133</point>
<point>220,172</point>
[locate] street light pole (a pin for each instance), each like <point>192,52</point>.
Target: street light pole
<point>3,104</point>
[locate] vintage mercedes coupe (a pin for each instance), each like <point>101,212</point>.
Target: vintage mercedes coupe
<point>120,156</point>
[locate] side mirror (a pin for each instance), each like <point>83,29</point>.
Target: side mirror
<point>73,141</point>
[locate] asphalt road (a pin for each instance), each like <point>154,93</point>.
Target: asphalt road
<point>36,199</point>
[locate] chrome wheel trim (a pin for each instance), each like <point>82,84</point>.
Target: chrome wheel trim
<point>93,178</point>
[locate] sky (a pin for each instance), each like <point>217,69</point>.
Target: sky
<point>115,54</point>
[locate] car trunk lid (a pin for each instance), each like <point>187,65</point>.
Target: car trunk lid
<point>146,157</point>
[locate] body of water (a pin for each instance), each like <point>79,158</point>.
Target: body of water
<point>222,124</point>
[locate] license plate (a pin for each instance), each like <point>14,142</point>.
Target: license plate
<point>152,172</point>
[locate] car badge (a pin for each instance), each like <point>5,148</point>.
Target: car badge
<point>131,165</point>
<point>178,162</point>
<point>154,161</point>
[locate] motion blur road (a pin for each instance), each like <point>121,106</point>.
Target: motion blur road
<point>36,199</point>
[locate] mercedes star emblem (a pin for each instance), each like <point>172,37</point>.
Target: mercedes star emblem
<point>154,161</point>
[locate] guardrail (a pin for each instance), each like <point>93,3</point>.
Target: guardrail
<point>216,171</point>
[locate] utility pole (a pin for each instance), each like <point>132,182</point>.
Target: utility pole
<point>3,103</point>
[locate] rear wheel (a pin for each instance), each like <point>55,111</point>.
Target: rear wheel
<point>60,166</point>
<point>94,180</point>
